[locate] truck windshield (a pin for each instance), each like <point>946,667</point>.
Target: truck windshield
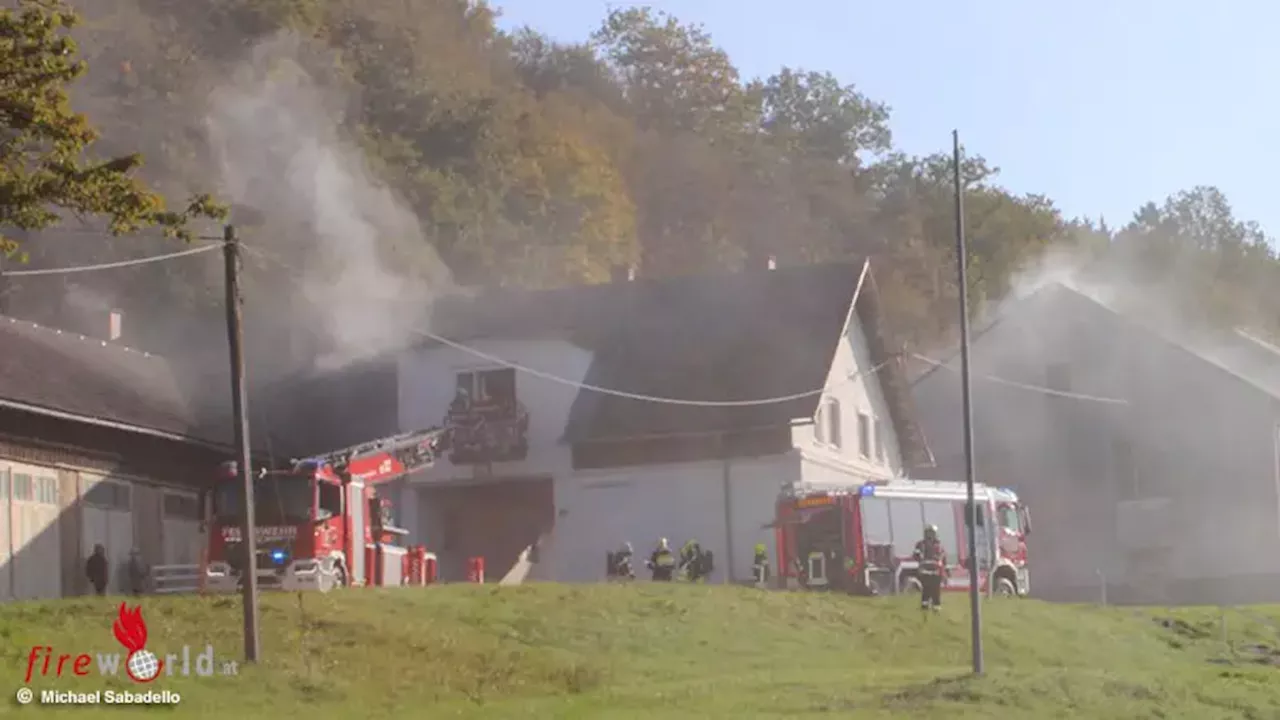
<point>1009,518</point>
<point>277,499</point>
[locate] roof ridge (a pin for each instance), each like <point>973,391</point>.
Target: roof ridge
<point>80,336</point>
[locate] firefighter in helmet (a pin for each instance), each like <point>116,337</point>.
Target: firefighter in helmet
<point>622,563</point>
<point>662,563</point>
<point>760,564</point>
<point>932,559</point>
<point>691,564</point>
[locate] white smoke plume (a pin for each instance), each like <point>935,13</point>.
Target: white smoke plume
<point>367,274</point>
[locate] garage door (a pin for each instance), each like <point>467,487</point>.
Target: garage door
<point>108,520</point>
<point>182,536</point>
<point>35,554</point>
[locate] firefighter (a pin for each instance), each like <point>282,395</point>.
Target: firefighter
<point>622,563</point>
<point>461,404</point>
<point>761,565</point>
<point>139,573</point>
<point>662,563</point>
<point>691,561</point>
<point>933,565</point>
<point>95,568</point>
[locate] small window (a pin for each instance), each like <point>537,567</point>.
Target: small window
<point>1058,377</point>
<point>820,424</point>
<point>186,507</point>
<point>23,488</point>
<point>832,417</point>
<point>489,386</point>
<point>48,490</point>
<point>879,441</point>
<point>864,435</point>
<point>109,495</point>
<point>4,485</point>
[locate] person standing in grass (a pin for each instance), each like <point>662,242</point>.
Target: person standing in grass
<point>932,559</point>
<point>95,568</point>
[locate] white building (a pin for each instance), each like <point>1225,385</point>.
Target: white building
<point>596,470</point>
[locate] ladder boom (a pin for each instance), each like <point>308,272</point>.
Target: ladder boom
<point>385,459</point>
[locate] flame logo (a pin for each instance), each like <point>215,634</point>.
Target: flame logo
<point>131,630</point>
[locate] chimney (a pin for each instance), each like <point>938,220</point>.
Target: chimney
<point>113,331</point>
<point>772,262</point>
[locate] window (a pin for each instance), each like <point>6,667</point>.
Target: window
<point>826,426</point>
<point>864,435</point>
<point>23,488</point>
<point>834,433</point>
<point>4,485</point>
<point>879,440</point>
<point>109,495</point>
<point>47,490</point>
<point>496,386</point>
<point>186,507</point>
<point>1058,377</point>
<point>1009,519</point>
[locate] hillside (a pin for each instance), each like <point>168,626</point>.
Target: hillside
<point>675,651</point>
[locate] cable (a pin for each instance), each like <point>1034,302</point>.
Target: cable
<point>1024,386</point>
<point>681,401</point>
<point>110,265</point>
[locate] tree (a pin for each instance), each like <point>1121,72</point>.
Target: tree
<point>43,141</point>
<point>812,114</point>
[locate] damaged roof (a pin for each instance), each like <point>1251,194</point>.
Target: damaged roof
<point>723,338</point>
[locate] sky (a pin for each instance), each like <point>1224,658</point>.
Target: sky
<point>1102,106</point>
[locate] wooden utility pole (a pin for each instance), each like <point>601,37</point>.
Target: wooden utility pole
<point>239,407</point>
<point>971,508</point>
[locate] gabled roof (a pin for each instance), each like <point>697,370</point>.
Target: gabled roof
<point>733,337</point>
<point>1239,353</point>
<point>52,372</point>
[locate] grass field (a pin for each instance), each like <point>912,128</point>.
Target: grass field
<point>666,651</point>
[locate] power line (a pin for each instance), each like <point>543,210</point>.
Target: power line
<point>110,265</point>
<point>551,377</point>
<point>1025,386</point>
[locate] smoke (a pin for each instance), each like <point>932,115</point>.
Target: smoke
<point>364,275</point>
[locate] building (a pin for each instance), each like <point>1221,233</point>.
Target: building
<point>584,471</point>
<point>96,446</point>
<point>1151,465</point>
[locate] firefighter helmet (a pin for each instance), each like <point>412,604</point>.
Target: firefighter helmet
<point>931,531</point>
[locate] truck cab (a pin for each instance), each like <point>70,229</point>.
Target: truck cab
<point>302,532</point>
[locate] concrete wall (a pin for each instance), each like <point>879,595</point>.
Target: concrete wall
<point>599,510</point>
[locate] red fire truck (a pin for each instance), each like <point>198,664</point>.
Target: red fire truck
<point>319,522</point>
<point>860,539</point>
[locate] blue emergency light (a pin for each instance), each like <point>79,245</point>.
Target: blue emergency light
<point>867,490</point>
<point>277,556</point>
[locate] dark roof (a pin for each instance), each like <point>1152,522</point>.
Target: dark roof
<point>1238,352</point>
<point>57,372</point>
<point>745,336</point>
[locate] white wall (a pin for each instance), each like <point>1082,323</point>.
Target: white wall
<point>599,510</point>
<point>856,390</point>
<point>428,378</point>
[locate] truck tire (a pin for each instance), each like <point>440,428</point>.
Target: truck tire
<point>1005,587</point>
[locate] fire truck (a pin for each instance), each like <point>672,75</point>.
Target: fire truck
<point>319,522</point>
<point>860,539</point>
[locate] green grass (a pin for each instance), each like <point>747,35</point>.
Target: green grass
<point>668,651</point>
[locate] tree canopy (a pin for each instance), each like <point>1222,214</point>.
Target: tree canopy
<point>43,142</point>
<point>532,162</point>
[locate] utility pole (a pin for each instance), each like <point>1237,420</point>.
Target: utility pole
<point>239,406</point>
<point>971,508</point>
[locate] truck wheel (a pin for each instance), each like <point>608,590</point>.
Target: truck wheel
<point>339,576</point>
<point>1005,588</point>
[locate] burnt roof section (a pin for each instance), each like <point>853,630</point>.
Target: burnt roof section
<point>735,337</point>
<point>66,373</point>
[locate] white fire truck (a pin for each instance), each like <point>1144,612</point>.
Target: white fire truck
<point>319,522</point>
<point>860,539</point>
